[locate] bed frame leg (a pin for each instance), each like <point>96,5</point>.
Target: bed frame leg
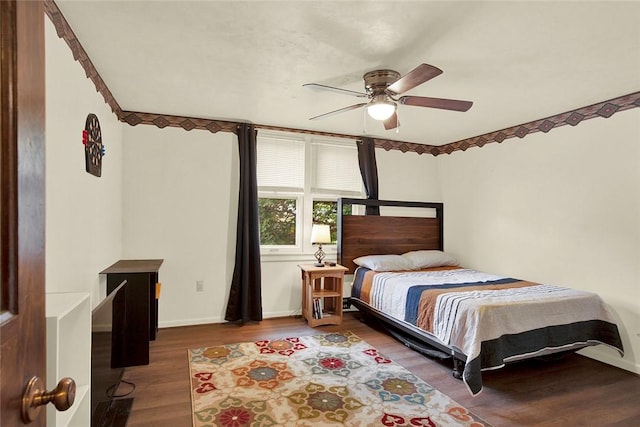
<point>458,368</point>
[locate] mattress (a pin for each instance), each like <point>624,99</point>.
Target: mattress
<point>488,318</point>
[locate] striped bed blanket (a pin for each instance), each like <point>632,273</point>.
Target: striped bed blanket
<point>490,319</point>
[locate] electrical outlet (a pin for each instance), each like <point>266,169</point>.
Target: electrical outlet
<point>199,285</point>
<point>346,304</point>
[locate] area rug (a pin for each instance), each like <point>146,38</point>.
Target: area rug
<point>320,380</point>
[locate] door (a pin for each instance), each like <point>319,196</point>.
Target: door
<point>22,161</point>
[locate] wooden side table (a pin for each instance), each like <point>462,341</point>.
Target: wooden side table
<point>322,294</point>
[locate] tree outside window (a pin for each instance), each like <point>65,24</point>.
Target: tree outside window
<point>277,221</point>
<point>326,212</point>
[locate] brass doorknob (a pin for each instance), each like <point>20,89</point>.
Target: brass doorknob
<point>35,396</point>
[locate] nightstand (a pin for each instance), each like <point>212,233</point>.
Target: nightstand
<point>322,294</point>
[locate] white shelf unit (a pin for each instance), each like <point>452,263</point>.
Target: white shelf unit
<point>69,354</point>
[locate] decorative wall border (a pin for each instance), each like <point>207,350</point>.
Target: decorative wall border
<point>135,118</point>
<point>65,32</point>
<point>603,109</point>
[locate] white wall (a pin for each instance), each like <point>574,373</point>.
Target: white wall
<point>560,208</point>
<point>180,204</point>
<point>407,176</point>
<point>84,213</point>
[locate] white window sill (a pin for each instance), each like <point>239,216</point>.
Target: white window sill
<point>295,257</point>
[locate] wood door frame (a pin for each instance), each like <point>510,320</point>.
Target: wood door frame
<point>22,205</point>
<point>8,164</point>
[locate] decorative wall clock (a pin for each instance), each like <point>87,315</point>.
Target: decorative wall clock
<point>93,148</point>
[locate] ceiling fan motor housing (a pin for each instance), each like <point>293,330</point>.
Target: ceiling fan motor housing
<point>383,101</point>
<point>376,82</point>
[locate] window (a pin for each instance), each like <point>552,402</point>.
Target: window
<point>278,221</point>
<point>326,212</point>
<point>300,179</point>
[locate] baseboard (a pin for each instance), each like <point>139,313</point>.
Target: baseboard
<point>190,322</point>
<point>610,357</point>
<point>208,320</point>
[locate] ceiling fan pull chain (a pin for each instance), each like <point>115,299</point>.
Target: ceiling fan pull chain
<point>364,121</point>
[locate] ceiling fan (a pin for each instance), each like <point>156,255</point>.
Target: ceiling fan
<point>383,87</point>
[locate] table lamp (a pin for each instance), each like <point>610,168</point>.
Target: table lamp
<point>320,233</point>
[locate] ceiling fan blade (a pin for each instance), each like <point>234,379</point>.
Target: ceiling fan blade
<point>445,104</point>
<point>342,110</point>
<point>317,86</point>
<point>413,78</point>
<point>391,122</point>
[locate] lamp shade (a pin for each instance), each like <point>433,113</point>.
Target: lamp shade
<point>320,233</point>
<point>381,108</point>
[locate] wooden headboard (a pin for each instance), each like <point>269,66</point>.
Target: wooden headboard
<point>360,235</point>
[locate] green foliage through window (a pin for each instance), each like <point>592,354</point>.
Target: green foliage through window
<point>327,213</point>
<point>277,221</point>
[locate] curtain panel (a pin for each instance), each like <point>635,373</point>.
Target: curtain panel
<point>245,296</point>
<point>369,171</point>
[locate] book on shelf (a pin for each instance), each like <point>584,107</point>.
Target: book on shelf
<point>317,309</point>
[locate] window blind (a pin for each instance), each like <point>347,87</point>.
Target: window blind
<point>336,168</point>
<point>280,163</point>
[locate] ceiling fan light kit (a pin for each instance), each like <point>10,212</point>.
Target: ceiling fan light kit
<point>381,108</point>
<point>383,88</point>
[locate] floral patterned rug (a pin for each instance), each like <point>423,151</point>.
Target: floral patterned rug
<point>321,380</point>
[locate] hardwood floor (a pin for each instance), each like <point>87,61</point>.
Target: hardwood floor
<point>572,391</point>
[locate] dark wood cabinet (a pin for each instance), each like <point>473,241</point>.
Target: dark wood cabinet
<point>135,310</point>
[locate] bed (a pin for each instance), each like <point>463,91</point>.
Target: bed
<point>403,278</point>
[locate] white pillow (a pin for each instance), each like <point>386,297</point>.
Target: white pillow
<point>427,259</point>
<point>384,262</point>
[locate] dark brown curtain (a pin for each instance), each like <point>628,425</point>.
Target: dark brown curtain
<point>369,171</point>
<point>245,297</point>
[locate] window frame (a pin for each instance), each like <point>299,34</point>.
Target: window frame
<point>275,249</point>
<point>304,203</point>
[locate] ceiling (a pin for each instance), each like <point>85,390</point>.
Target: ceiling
<point>518,61</point>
